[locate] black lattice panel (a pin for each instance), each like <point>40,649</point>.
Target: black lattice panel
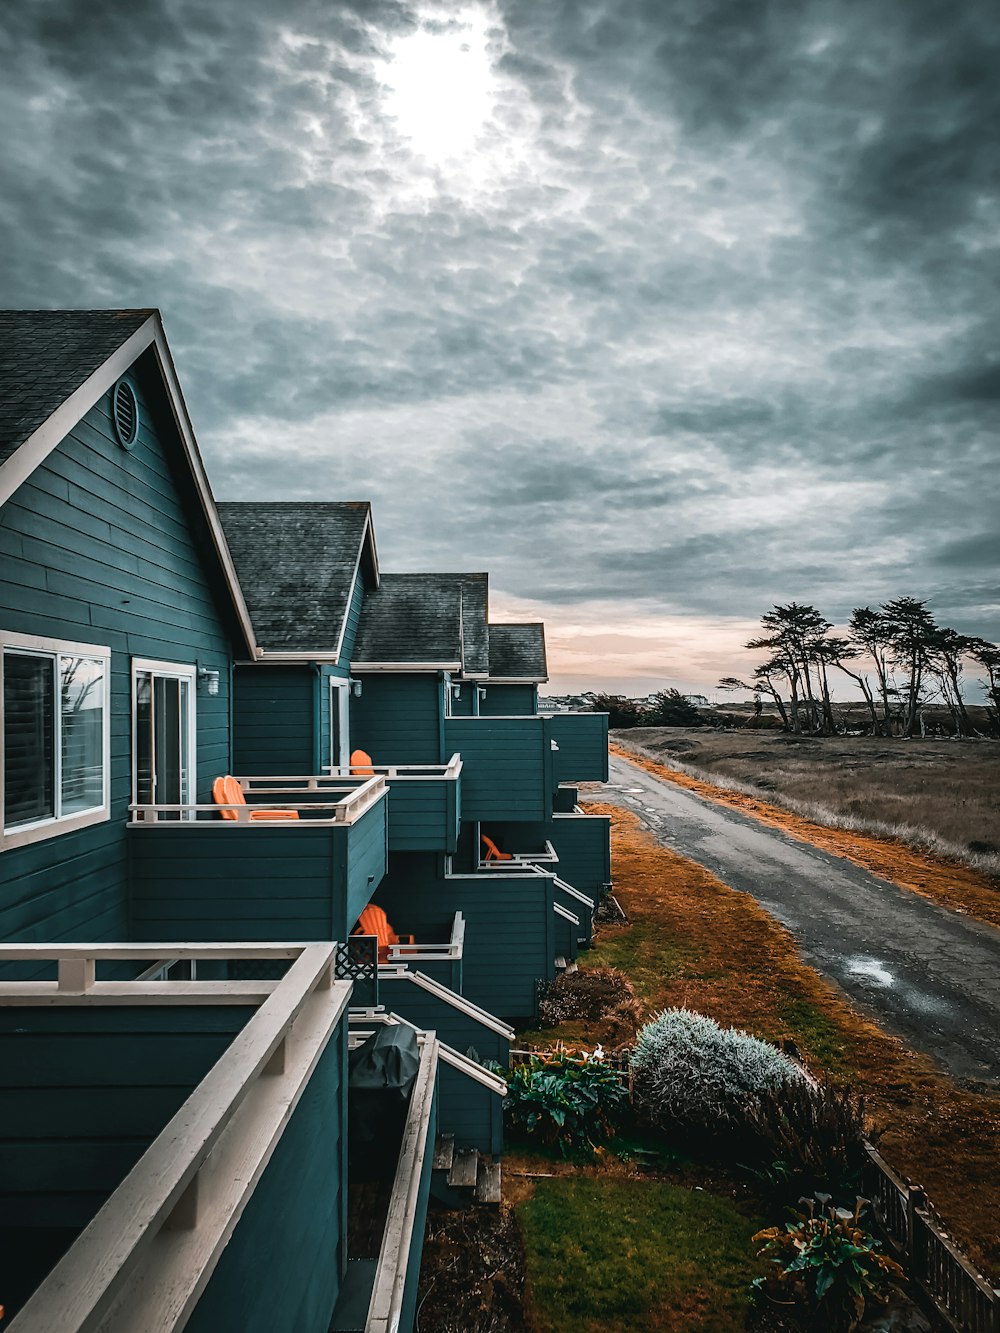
<point>357,961</point>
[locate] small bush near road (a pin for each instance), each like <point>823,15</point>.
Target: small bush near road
<point>589,993</point>
<point>566,1099</point>
<point>811,1139</point>
<point>691,1072</point>
<point>827,1263</point>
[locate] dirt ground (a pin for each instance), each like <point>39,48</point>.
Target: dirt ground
<point>693,941</point>
<point>941,795</point>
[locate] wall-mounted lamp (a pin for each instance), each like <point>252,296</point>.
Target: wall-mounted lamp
<point>208,679</point>
<point>356,688</point>
<point>481,692</point>
<point>456,691</point>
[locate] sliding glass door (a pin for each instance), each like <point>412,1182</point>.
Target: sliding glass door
<point>163,749</point>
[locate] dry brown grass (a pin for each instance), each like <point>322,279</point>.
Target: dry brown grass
<point>941,796</point>
<point>944,881</point>
<point>694,941</point>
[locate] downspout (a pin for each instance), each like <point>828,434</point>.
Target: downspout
<point>317,730</point>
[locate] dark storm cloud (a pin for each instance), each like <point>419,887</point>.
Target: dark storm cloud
<point>706,320</point>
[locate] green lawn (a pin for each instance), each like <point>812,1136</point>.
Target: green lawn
<point>621,1255</point>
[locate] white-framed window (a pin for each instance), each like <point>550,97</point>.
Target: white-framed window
<point>340,741</point>
<point>164,745</point>
<point>56,730</point>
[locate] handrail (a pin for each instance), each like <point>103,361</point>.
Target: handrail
<point>346,811</point>
<point>145,1258</point>
<point>568,916</point>
<point>453,1000</point>
<point>385,1307</point>
<point>471,1070</point>
<point>574,893</point>
<point>450,771</point>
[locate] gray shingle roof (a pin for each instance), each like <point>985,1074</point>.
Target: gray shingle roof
<point>426,618</point>
<point>45,355</point>
<point>296,563</point>
<point>517,652</point>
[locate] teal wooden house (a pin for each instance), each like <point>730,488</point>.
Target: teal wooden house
<point>175,1075</point>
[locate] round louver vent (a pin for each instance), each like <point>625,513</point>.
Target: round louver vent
<point>126,414</point>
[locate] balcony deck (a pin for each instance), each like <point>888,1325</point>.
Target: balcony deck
<point>184,1235</point>
<point>194,875</point>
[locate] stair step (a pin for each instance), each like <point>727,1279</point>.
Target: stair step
<point>488,1184</point>
<point>444,1152</point>
<point>465,1168</point>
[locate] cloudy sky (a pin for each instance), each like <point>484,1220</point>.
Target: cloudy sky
<point>660,310</point>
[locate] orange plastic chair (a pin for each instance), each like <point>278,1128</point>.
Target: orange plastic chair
<point>362,765</point>
<point>227,791</point>
<point>373,921</point>
<point>493,852</point>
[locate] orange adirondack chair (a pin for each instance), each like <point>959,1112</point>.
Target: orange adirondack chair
<point>373,921</point>
<point>227,791</point>
<point>493,852</point>
<point>362,765</point>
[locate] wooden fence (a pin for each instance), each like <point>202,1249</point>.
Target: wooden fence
<point>911,1225</point>
<point>961,1296</point>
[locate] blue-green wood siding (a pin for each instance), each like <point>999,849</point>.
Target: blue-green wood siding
<point>282,1267</point>
<point>506,766</point>
<point>408,1310</point>
<point>509,701</point>
<point>424,814</point>
<point>397,719</point>
<point>583,746</point>
<point>84,1092</point>
<point>351,623</point>
<point>509,936</point>
<point>100,546</point>
<point>274,720</point>
<point>255,883</point>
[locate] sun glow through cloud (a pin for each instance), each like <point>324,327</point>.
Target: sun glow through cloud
<point>440,85</point>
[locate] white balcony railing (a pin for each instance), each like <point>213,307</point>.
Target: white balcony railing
<point>144,1260</point>
<point>402,772</point>
<point>352,801</point>
<point>429,953</point>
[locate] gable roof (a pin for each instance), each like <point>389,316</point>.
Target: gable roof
<point>297,562</point>
<point>55,365</point>
<point>425,620</point>
<point>45,355</point>
<point>517,652</point>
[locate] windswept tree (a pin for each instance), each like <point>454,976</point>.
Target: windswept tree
<point>669,708</point>
<point>987,655</point>
<point>912,633</point>
<point>870,634</point>
<point>947,652</point>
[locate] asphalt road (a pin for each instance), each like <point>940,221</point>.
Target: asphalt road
<point>927,973</point>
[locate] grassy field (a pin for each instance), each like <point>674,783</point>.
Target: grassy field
<point>941,796</point>
<point>616,1255</point>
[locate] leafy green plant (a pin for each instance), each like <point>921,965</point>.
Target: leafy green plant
<point>566,1099</point>
<point>811,1137</point>
<point>828,1263</point>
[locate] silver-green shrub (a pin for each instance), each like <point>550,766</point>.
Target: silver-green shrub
<point>690,1071</point>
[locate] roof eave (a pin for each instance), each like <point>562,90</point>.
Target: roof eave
<point>49,435</point>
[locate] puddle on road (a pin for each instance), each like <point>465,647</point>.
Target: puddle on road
<point>871,969</point>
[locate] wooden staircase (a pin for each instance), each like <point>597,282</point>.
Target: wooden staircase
<point>462,1176</point>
